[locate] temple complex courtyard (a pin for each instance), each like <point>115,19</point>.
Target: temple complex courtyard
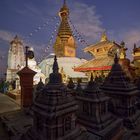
<point>7,104</point>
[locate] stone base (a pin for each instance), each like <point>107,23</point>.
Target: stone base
<point>113,131</point>
<point>16,123</point>
<point>14,94</point>
<point>131,122</point>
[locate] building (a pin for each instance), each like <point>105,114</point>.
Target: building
<point>16,59</point>
<point>65,45</point>
<point>123,95</point>
<point>93,114</point>
<point>136,59</point>
<point>65,50</point>
<point>103,57</point>
<point>54,112</point>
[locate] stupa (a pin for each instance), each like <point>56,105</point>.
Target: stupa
<point>123,93</point>
<point>94,115</point>
<point>65,50</point>
<point>54,112</point>
<point>136,59</point>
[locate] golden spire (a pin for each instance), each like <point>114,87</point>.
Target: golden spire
<point>65,43</point>
<point>104,37</point>
<point>64,28</point>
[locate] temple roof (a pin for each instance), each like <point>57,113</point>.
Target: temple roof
<point>103,47</point>
<point>104,52</point>
<point>103,63</point>
<point>101,44</point>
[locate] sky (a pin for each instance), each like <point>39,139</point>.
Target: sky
<point>36,22</point>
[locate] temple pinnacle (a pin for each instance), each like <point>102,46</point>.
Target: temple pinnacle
<point>91,78</point>
<point>64,2</point>
<point>116,60</point>
<point>55,65</point>
<point>104,37</point>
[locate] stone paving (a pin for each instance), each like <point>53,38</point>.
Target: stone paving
<point>7,104</point>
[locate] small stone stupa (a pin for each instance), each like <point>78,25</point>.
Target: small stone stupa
<point>118,86</point>
<point>55,112</point>
<point>94,115</point>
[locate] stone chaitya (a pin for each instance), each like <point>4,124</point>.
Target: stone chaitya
<point>124,95</point>
<point>93,114</point>
<point>54,112</point>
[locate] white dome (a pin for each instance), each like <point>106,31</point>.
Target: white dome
<point>65,63</point>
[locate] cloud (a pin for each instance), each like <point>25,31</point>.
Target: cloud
<point>132,36</point>
<point>6,35</point>
<point>86,21</point>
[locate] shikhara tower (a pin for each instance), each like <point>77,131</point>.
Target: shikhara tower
<point>65,45</point>
<point>16,58</point>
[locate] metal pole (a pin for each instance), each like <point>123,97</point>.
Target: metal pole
<point>26,56</point>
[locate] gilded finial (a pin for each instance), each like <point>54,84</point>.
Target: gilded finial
<point>116,60</point>
<point>104,37</point>
<point>135,46</point>
<point>91,78</point>
<point>64,2</point>
<point>123,44</point>
<point>55,77</point>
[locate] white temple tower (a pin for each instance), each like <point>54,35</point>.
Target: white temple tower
<point>16,59</point>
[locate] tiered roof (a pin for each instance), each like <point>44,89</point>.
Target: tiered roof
<point>103,53</point>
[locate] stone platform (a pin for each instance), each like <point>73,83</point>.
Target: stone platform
<point>16,123</point>
<point>7,104</point>
<point>14,94</point>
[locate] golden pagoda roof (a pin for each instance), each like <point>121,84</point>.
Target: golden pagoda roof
<point>104,63</point>
<point>102,44</point>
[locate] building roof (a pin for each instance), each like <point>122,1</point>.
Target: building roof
<point>101,44</point>
<point>104,52</point>
<point>103,63</point>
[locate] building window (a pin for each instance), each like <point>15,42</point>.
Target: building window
<point>68,123</point>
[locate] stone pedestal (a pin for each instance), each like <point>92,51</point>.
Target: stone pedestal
<point>26,82</point>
